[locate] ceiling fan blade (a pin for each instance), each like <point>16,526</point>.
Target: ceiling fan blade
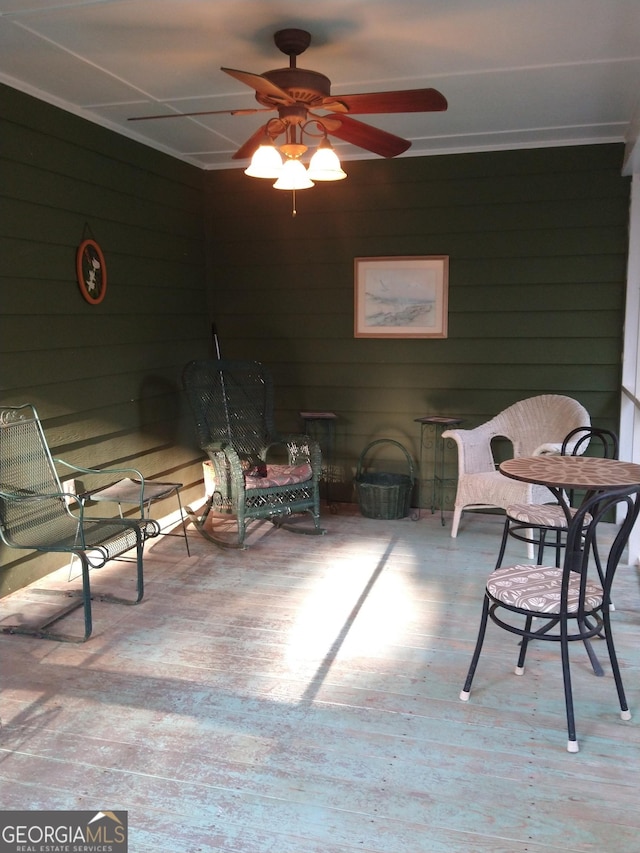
<point>248,112</point>
<point>261,85</point>
<point>328,122</point>
<point>404,101</point>
<point>370,138</point>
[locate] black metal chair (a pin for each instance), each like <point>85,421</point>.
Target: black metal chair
<point>36,513</point>
<point>533,523</point>
<point>569,603</point>
<point>257,473</point>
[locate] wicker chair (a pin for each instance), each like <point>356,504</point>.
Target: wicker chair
<point>534,426</point>
<point>37,514</point>
<point>257,473</point>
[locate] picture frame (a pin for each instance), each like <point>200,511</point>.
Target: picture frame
<point>401,297</point>
<point>91,271</point>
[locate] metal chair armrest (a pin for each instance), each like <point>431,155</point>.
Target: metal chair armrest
<point>86,493</point>
<point>82,470</point>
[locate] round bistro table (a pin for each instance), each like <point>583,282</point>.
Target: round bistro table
<point>560,473</point>
<point>572,472</point>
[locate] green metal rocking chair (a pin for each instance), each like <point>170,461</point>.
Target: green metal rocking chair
<point>37,514</point>
<point>257,473</point>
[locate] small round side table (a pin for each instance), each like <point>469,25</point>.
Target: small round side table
<point>438,424</point>
<point>326,421</point>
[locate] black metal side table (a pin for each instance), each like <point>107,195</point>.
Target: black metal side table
<point>437,424</point>
<point>127,491</point>
<point>325,422</point>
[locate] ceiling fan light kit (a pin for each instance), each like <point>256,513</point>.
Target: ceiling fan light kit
<point>267,161</point>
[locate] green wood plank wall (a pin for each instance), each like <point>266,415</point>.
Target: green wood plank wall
<point>537,241</point>
<point>104,378</point>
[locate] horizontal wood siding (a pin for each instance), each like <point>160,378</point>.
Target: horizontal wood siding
<point>537,242</point>
<point>104,378</point>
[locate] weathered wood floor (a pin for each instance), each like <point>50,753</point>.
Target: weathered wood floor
<point>301,696</point>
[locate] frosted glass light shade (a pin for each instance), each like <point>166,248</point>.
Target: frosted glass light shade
<point>293,177</point>
<point>265,163</point>
<point>325,165</point>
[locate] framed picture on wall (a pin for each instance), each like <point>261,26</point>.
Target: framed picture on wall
<point>401,297</point>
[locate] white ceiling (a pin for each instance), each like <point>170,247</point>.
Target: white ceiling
<point>516,73</point>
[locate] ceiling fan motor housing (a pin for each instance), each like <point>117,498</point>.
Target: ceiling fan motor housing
<point>304,86</point>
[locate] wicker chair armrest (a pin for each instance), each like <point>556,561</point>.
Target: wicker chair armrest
<point>474,448</point>
<point>228,472</point>
<point>221,447</point>
<point>300,448</point>
<point>548,449</point>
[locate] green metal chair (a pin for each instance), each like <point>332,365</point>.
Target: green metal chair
<point>257,473</point>
<point>37,514</point>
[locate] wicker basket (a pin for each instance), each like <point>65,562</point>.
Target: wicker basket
<point>384,495</point>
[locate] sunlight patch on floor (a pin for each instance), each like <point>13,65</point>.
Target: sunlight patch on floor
<point>360,606</point>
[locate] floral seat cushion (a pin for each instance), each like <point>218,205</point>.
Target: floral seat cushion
<point>537,588</point>
<point>279,475</point>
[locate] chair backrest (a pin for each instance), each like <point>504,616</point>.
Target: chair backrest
<point>603,441</point>
<point>538,424</point>
<point>232,403</point>
<point>27,469</point>
<point>579,440</point>
<point>583,531</point>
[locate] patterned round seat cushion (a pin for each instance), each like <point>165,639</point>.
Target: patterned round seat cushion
<point>537,588</point>
<point>542,515</point>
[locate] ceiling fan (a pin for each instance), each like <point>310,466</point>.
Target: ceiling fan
<point>296,93</point>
